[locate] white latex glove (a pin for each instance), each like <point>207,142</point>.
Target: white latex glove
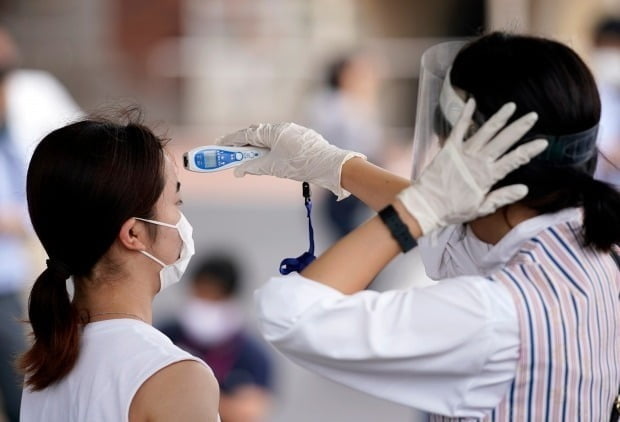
<point>454,188</point>
<point>297,153</point>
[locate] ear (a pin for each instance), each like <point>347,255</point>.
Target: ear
<point>133,235</point>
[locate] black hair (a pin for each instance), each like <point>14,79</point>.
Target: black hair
<point>549,78</point>
<point>608,29</point>
<point>220,270</point>
<point>335,71</point>
<point>84,181</point>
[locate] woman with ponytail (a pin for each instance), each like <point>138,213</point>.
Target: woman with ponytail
<point>524,323</point>
<point>104,201</point>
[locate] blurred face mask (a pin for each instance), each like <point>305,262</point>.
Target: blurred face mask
<point>172,273</point>
<point>209,322</point>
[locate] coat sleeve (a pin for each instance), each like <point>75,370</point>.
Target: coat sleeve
<point>450,348</point>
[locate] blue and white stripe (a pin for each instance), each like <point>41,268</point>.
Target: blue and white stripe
<point>568,303</point>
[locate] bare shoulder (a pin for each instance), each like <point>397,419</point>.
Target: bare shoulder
<point>185,390</point>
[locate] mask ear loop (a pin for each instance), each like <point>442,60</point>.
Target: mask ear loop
<point>288,265</point>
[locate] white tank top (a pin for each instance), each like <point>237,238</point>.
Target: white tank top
<point>115,359</point>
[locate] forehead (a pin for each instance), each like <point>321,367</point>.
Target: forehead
<point>170,174</point>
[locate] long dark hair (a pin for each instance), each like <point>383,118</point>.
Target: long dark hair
<point>84,181</point>
<point>547,77</point>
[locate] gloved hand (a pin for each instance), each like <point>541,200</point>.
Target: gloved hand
<point>297,153</point>
<point>454,188</point>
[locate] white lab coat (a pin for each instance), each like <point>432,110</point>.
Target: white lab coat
<point>450,349</point>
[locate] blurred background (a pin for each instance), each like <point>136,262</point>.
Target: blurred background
<point>348,68</point>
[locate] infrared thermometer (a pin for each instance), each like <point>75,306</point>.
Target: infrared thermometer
<point>212,158</point>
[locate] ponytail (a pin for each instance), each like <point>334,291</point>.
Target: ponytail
<point>601,224</point>
<point>56,331</point>
<point>551,189</point>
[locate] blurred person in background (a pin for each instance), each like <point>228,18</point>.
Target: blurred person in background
<point>32,102</point>
<point>345,110</point>
<point>606,66</point>
<point>524,322</point>
<point>211,325</point>
<point>105,202</point>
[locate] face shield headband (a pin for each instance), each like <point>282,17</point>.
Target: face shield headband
<point>572,149</point>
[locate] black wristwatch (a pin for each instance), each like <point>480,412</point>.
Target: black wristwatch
<point>399,230</point>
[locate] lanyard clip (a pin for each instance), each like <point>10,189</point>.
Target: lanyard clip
<point>305,187</point>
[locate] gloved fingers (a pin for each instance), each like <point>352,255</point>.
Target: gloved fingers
<point>501,197</point>
<point>460,129</point>
<point>490,127</point>
<point>239,171</point>
<point>256,167</point>
<point>234,139</point>
<point>509,136</point>
<point>252,135</point>
<point>521,155</point>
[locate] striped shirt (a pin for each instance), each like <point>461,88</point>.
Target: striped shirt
<point>567,300</point>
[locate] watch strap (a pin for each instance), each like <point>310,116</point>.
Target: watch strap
<point>399,230</point>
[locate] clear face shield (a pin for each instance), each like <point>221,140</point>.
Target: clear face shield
<point>438,106</point>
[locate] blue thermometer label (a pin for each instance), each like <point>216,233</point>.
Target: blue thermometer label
<point>215,158</point>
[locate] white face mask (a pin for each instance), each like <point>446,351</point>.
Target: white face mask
<point>468,254</point>
<point>208,322</point>
<point>172,273</point>
<point>456,252</point>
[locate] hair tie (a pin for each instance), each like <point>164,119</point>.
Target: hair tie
<point>58,268</point>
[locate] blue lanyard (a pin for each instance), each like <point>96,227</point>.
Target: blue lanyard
<point>289,265</point>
